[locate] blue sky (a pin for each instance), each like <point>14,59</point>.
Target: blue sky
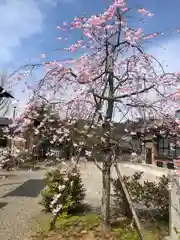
<point>28,28</point>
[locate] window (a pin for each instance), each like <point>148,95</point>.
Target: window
<point>163,147</point>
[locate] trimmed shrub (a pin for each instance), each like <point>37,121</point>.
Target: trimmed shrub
<point>62,188</point>
<point>152,195</point>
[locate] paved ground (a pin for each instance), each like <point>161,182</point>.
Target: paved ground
<point>92,178</point>
<point>19,195</point>
<point>18,205</point>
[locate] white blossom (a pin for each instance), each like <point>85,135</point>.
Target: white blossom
<point>90,135</point>
<point>66,179</point>
<point>55,199</point>
<point>74,174</point>
<point>103,139</point>
<point>134,154</point>
<point>61,187</point>
<point>88,153</point>
<point>133,133</point>
<point>59,131</point>
<point>36,131</point>
<point>57,209</point>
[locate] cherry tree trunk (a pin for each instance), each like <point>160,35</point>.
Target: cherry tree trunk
<point>106,169</point>
<point>106,183</point>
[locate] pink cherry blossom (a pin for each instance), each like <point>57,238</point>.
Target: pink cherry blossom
<point>143,11</point>
<point>151,36</point>
<point>125,9</point>
<point>75,46</point>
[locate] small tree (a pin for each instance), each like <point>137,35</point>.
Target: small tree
<point>62,188</point>
<point>43,128</point>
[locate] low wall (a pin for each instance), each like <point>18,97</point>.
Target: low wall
<point>174,208</point>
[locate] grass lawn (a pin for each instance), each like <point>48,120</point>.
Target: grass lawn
<point>87,227</point>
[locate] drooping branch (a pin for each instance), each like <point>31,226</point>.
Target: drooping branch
<point>118,98</point>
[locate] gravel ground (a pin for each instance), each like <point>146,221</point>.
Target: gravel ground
<point>16,212</point>
<point>19,210</point>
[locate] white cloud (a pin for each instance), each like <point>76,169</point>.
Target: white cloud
<point>19,20</point>
<point>168,54</point>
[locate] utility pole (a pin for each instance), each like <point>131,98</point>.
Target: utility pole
<point>12,134</point>
<point>14,112</point>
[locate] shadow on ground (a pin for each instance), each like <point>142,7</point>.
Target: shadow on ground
<point>2,204</point>
<point>30,188</point>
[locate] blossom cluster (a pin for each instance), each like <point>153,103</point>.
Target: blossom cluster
<point>58,201</point>
<point>43,120</point>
